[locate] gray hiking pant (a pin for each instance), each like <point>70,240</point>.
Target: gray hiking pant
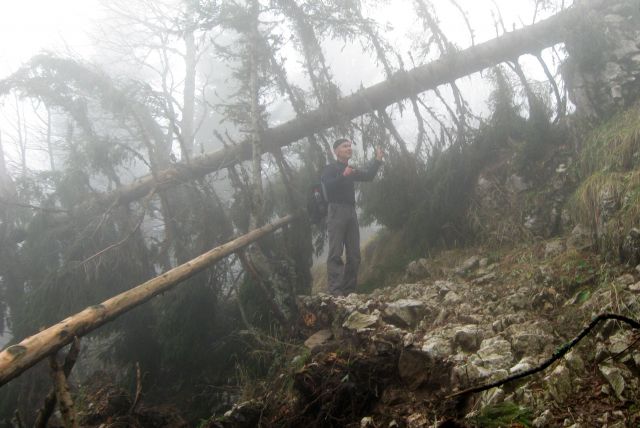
<point>344,234</point>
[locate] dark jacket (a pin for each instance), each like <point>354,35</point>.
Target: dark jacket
<point>340,189</point>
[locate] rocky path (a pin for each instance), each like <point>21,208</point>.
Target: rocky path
<point>392,357</point>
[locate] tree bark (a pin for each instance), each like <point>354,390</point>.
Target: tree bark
<point>17,358</point>
<point>63,395</point>
<point>401,85</point>
<point>47,409</point>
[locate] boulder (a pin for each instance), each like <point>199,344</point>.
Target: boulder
<point>580,238</point>
<point>417,269</point>
<point>405,312</point>
<point>574,362</point>
<point>318,339</point>
<point>559,384</point>
<point>468,265</point>
<point>468,337</point>
<point>530,343</point>
<point>613,375</point>
<point>437,347</point>
<point>452,298</point>
<point>542,421</point>
<point>554,248</point>
<point>494,353</point>
<point>358,321</point>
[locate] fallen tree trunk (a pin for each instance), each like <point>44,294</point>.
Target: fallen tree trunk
<point>17,358</point>
<point>531,39</point>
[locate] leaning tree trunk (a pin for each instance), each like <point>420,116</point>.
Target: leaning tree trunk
<point>17,358</point>
<point>401,85</point>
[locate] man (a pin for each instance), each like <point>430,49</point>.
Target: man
<point>342,222</point>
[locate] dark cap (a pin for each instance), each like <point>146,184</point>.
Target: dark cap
<point>340,141</point>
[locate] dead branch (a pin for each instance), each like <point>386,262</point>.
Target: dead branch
<point>138,394</point>
<point>45,412</point>
<point>17,358</point>
<point>63,395</point>
<point>401,85</point>
<point>561,103</point>
<point>33,207</point>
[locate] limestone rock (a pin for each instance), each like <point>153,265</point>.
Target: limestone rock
<point>554,248</point>
<point>452,298</point>
<point>574,362</point>
<point>417,269</point>
<point>626,279</point>
<point>468,337</point>
<point>559,384</point>
<point>405,312</point>
<point>523,365</point>
<point>318,339</point>
<point>437,347</point>
<point>530,343</point>
<point>468,265</point>
<point>580,238</point>
<point>367,422</point>
<point>516,184</point>
<point>613,375</point>
<point>358,320</point>
<point>417,420</point>
<point>495,353</point>
<point>542,421</point>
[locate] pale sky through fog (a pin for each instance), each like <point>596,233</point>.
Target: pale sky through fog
<point>30,26</point>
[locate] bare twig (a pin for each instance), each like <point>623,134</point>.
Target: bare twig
<point>33,207</point>
<point>138,395</point>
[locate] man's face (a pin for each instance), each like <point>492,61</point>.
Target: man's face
<point>343,151</point>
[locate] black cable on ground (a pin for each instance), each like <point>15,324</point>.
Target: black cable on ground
<point>556,355</point>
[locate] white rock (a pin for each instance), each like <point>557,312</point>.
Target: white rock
<point>530,343</point>
<point>520,367</point>
<point>406,312</point>
<point>494,353</point>
<point>452,297</point>
<point>358,321</point>
<point>613,375</point>
<point>367,422</point>
<point>468,337</point>
<point>574,362</point>
<point>626,279</point>
<point>542,421</point>
<point>559,384</point>
<point>554,248</point>
<point>437,347</point>
<point>319,338</point>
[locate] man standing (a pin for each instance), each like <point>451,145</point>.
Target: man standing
<point>342,222</point>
